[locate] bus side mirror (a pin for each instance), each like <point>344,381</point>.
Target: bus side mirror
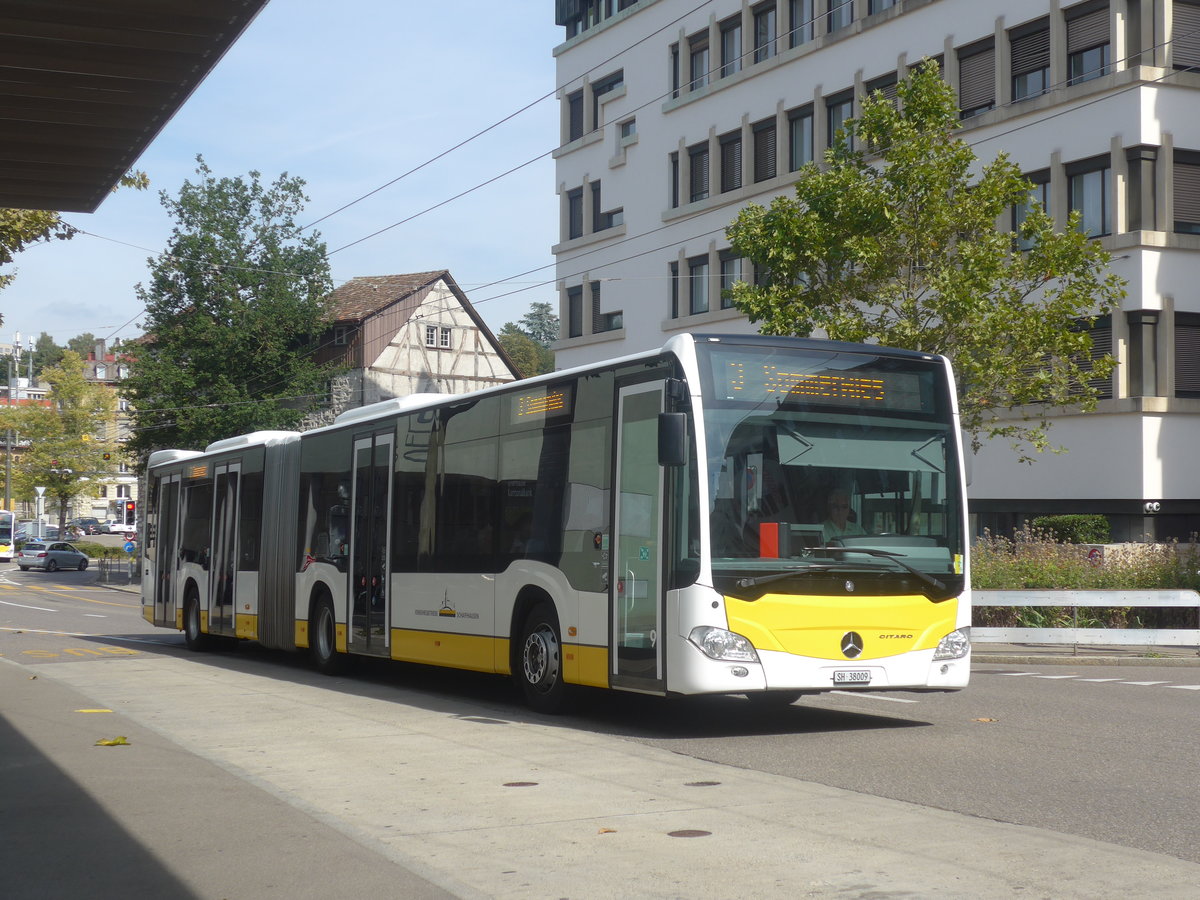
<point>968,455</point>
<point>672,439</point>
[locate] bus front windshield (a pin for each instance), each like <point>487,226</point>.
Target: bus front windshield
<point>830,462</point>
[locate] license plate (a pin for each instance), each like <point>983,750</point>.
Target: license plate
<point>855,676</point>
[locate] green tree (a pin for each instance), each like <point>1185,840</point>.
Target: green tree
<point>83,344</point>
<point>46,353</point>
<point>64,454</point>
<point>540,323</point>
<point>895,240</point>
<point>530,357</point>
<point>235,312</point>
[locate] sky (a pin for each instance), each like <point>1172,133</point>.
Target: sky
<point>347,96</point>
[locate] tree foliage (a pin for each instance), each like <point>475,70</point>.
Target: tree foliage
<point>235,310</point>
<point>895,241</point>
<point>527,342</point>
<point>64,453</point>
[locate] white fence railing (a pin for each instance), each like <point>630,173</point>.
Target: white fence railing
<point>1075,600</point>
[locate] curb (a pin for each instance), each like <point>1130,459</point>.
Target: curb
<point>1026,660</point>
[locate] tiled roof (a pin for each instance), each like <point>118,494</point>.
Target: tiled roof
<point>358,298</point>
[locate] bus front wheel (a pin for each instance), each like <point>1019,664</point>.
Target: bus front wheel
<point>539,666</point>
<point>192,635</point>
<point>323,639</point>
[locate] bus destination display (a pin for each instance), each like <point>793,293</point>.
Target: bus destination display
<point>541,404</point>
<point>755,380</point>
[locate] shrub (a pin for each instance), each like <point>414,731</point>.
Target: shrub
<point>1075,529</point>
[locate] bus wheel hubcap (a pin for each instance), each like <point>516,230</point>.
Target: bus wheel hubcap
<point>541,658</point>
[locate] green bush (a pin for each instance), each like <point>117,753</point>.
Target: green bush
<point>1077,529</point>
<point>1034,560</point>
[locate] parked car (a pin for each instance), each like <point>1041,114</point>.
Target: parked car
<point>86,524</point>
<point>121,528</point>
<point>51,556</point>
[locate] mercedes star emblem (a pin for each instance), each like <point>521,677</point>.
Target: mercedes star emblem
<point>852,645</point>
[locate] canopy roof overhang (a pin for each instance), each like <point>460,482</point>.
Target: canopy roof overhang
<point>85,86</point>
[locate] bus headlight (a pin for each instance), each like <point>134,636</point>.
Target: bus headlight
<point>717,643</point>
<point>955,645</point>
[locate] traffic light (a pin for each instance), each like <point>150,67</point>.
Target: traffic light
<point>131,506</point>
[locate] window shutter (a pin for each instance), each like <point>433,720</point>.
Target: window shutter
<point>731,164</point>
<point>597,318</point>
<point>1185,32</point>
<point>1187,358</point>
<point>1187,193</point>
<point>1030,52</point>
<point>764,153</point>
<point>1088,30</point>
<point>699,182</point>
<point>1101,346</point>
<point>575,105</point>
<point>977,79</point>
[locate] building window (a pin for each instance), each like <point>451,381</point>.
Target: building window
<point>698,180</point>
<point>803,22</point>
<point>1088,185</point>
<point>1038,194</point>
<point>1187,354</point>
<point>575,213</point>
<point>697,285</point>
<point>800,137</point>
<point>574,116</point>
<point>1101,334</point>
<point>764,150</point>
<point>731,161</point>
<point>698,61</point>
<point>597,215</point>
<point>1087,41</point>
<point>437,336</point>
<point>731,46</point>
<point>628,129</point>
<point>673,75</point>
<point>673,268</point>
<point>731,271</point>
<point>764,31</point>
<point>602,322</point>
<point>976,78</point>
<point>599,89</point>
<point>103,489</point>
<point>1185,34</point>
<point>838,110</point>
<point>1186,192</point>
<point>886,86</point>
<point>1029,46</point>
<point>101,373</point>
<point>674,180</point>
<point>876,6</point>
<point>575,311</point>
<point>123,405</point>
<point>124,492</point>
<point>841,14</point>
<point>341,335</point>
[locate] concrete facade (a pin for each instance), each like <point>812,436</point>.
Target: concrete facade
<point>676,115</point>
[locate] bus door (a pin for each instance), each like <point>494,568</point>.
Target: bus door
<point>369,543</point>
<point>637,608</point>
<point>222,574</point>
<point>166,549</point>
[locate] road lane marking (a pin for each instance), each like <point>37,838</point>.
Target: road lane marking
<point>1145,683</point>
<point>26,606</point>
<point>1097,680</point>
<point>1055,677</point>
<point>1185,687</point>
<point>84,634</point>
<point>93,710</point>
<point>94,616</point>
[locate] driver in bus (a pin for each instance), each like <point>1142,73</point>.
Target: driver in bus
<point>837,522</point>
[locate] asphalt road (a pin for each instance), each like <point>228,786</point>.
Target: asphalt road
<point>1098,753</point>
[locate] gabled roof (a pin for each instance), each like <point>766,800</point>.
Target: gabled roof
<point>362,298</point>
<point>85,86</point>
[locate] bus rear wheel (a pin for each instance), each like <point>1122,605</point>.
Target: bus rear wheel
<point>539,663</point>
<point>322,630</point>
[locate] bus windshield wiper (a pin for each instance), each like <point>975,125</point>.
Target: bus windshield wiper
<point>755,581</point>
<point>934,589</point>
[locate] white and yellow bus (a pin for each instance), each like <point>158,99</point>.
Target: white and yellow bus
<point>8,535</point>
<point>729,514</point>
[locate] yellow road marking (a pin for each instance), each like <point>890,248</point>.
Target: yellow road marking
<point>93,710</point>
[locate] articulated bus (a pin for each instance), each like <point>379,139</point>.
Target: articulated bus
<point>729,514</point>
<point>8,535</point>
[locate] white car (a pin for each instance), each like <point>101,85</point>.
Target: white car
<point>121,528</point>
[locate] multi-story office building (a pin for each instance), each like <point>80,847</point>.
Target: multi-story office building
<point>675,113</point>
